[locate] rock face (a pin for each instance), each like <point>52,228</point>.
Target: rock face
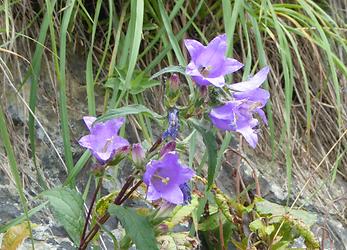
<point>332,220</point>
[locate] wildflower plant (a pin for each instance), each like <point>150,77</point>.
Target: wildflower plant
<point>170,189</point>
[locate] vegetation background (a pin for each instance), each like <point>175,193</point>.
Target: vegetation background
<point>66,59</point>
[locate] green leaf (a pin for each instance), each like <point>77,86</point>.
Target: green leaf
<point>170,69</point>
<point>267,207</point>
<point>141,83</point>
<point>211,146</point>
<point>256,225</point>
<point>137,227</point>
<point>212,222</point>
<point>129,110</point>
<point>180,213</point>
<point>177,241</point>
<point>67,207</point>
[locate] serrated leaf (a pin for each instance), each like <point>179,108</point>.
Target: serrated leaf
<point>67,207</point>
<point>211,146</point>
<point>180,213</point>
<point>137,227</point>
<point>14,236</point>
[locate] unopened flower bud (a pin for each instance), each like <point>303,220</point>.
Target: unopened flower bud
<point>174,82</point>
<point>168,147</point>
<point>138,154</point>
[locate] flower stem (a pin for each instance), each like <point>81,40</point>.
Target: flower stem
<point>91,208</point>
<point>118,200</point>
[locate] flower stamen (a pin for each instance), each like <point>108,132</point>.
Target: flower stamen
<point>205,71</point>
<point>164,180</point>
<point>107,144</point>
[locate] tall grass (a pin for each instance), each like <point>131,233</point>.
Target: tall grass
<point>302,41</point>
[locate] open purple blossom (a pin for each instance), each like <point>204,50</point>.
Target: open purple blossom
<point>236,116</point>
<point>253,82</point>
<point>174,125</point>
<point>209,64</point>
<point>103,140</point>
<point>164,178</point>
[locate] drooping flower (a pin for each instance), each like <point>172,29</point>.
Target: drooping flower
<point>174,125</point>
<point>103,140</point>
<point>164,177</point>
<point>236,116</point>
<point>138,154</point>
<point>209,64</point>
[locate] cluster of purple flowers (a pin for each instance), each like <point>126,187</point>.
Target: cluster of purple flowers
<point>208,66</point>
<point>167,178</point>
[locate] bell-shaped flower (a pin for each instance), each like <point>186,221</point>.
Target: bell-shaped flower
<point>103,140</point>
<point>209,64</point>
<point>164,178</point>
<point>236,116</point>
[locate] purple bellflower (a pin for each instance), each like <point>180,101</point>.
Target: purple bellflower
<point>164,178</point>
<point>237,115</point>
<point>174,125</point>
<point>103,140</point>
<point>208,64</point>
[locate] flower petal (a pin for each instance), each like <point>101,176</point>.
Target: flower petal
<point>262,115</point>
<point>194,47</point>
<point>152,194</point>
<point>89,120</point>
<point>231,65</point>
<point>192,69</point>
<point>201,81</point>
<point>255,95</point>
<point>184,175</point>
<point>173,195</point>
<point>250,135</point>
<point>214,53</point>
<point>102,156</point>
<point>217,81</point>
<point>86,141</point>
<point>253,82</point>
